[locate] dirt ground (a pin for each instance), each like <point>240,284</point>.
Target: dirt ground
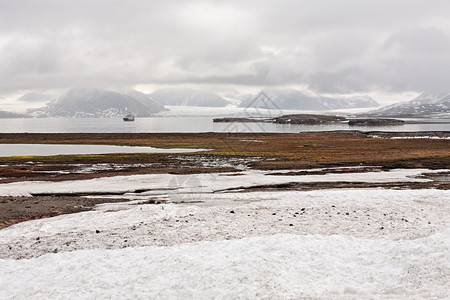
<point>229,152</point>
<point>18,209</point>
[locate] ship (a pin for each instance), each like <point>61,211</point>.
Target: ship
<point>128,118</point>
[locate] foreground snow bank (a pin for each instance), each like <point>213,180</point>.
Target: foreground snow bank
<point>277,266</point>
<point>345,243</point>
<point>363,213</point>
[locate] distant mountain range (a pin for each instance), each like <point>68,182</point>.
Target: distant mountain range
<point>7,114</point>
<point>188,97</point>
<point>425,105</point>
<point>91,102</point>
<point>95,103</point>
<point>292,99</point>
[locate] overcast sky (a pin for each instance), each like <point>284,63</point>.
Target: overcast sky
<point>328,46</point>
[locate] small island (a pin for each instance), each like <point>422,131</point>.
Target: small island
<point>310,119</point>
<point>306,119</point>
<point>375,122</point>
<point>242,120</point>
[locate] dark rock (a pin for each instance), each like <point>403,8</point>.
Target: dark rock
<point>375,122</point>
<point>309,119</point>
<point>241,120</point>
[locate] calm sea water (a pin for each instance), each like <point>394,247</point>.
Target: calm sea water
<point>184,124</point>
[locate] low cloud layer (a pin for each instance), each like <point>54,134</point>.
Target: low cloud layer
<point>347,46</point>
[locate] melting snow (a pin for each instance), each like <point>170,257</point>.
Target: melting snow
<point>340,244</point>
<point>198,182</point>
<point>280,266</point>
<point>420,137</point>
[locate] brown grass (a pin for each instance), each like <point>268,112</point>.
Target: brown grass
<point>285,150</point>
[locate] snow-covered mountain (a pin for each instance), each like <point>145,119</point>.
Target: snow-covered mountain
<point>293,99</point>
<point>284,99</point>
<point>95,103</point>
<point>7,114</point>
<point>425,105</point>
<point>188,97</point>
<point>349,102</point>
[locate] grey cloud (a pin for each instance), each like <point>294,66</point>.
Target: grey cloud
<point>28,56</point>
<point>414,59</point>
<point>426,41</point>
<point>332,46</point>
<point>221,52</point>
<point>349,80</point>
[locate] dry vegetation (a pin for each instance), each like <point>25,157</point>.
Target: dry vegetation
<point>259,151</point>
<point>278,150</point>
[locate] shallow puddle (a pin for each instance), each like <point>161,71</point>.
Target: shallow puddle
<point>55,149</point>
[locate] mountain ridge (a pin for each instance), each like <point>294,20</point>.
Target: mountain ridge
<point>188,97</point>
<point>292,99</point>
<point>98,103</point>
<point>427,104</point>
<point>12,115</point>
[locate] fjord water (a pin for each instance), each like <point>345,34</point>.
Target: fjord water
<point>187,124</point>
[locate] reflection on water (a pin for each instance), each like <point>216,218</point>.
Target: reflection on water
<point>184,124</point>
<point>47,149</point>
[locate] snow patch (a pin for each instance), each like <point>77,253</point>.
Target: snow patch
<point>280,266</point>
<point>419,137</point>
<point>206,183</point>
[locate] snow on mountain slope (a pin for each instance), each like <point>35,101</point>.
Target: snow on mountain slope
<point>425,105</point>
<point>188,97</point>
<point>306,100</point>
<point>285,99</point>
<point>89,102</point>
<point>349,102</point>
<point>7,114</point>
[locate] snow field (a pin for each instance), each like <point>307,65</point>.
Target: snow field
<point>270,267</point>
<point>395,214</point>
<point>338,244</point>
